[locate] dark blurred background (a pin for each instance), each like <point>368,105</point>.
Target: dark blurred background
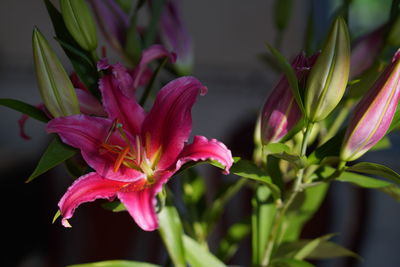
<point>229,36</point>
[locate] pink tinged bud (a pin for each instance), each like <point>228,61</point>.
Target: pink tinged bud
<point>113,22</point>
<point>281,112</point>
<point>176,37</point>
<point>365,51</point>
<point>373,114</point>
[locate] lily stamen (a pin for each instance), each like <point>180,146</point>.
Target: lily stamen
<point>120,159</point>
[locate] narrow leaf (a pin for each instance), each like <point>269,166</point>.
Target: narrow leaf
<point>362,181</point>
<point>261,222</point>
<point>25,108</point>
<point>198,256</point>
<point>248,169</point>
<point>309,247</point>
<point>376,169</point>
<point>115,263</point>
<point>275,148</point>
<point>114,206</point>
<point>55,154</point>
<point>230,243</point>
<point>171,232</point>
<point>286,262</point>
<point>290,74</point>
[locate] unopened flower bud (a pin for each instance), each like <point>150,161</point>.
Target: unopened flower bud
<point>327,80</point>
<point>55,87</point>
<point>80,23</point>
<point>281,112</point>
<point>365,51</point>
<point>373,114</point>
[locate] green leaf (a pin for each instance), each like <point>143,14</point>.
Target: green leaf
<point>329,149</point>
<point>247,169</point>
<point>376,169</point>
<point>290,75</point>
<point>263,214</point>
<point>324,250</point>
<point>55,154</point>
<point>197,256</point>
<point>303,208</point>
<point>114,206</point>
<point>275,148</point>
<point>382,144</point>
<point>171,232</point>
<point>395,121</point>
<point>309,247</point>
<point>230,243</point>
<point>286,262</point>
<point>115,263</point>
<point>362,181</point>
<point>297,161</point>
<point>25,108</point>
<point>391,190</point>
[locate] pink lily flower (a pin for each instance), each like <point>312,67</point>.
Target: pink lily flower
<point>373,114</point>
<point>133,153</point>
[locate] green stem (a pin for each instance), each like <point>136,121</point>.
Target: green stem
<point>280,215</point>
<point>340,118</point>
<point>149,87</point>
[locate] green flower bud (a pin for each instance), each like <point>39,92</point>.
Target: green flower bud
<point>55,87</point>
<point>80,23</point>
<point>327,80</point>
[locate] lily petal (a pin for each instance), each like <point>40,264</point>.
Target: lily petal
<point>204,149</point>
<point>88,133</point>
<point>118,106</point>
<point>89,104</point>
<point>86,189</point>
<point>168,125</point>
<point>152,53</point>
<point>141,204</point>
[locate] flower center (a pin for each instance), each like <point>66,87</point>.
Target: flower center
<point>132,155</point>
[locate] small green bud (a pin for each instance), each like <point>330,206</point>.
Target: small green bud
<point>327,80</point>
<point>80,23</point>
<point>55,87</point>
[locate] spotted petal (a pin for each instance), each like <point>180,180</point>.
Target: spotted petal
<point>86,189</point>
<point>168,125</point>
<point>118,105</point>
<point>204,149</point>
<point>88,133</point>
<point>141,204</point>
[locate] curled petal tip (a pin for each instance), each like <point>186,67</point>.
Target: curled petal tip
<point>65,223</point>
<point>102,64</point>
<point>203,90</point>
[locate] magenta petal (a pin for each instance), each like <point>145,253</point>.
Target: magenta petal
<point>119,106</point>
<point>204,149</point>
<point>21,124</point>
<point>152,53</point>
<point>169,123</point>
<point>86,189</point>
<point>88,133</point>
<point>141,204</point>
<point>89,104</point>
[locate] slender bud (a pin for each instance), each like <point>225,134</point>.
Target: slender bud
<point>281,112</point>
<point>176,37</point>
<point>113,22</point>
<point>55,87</point>
<point>80,23</point>
<point>365,51</point>
<point>328,77</point>
<point>373,114</point>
